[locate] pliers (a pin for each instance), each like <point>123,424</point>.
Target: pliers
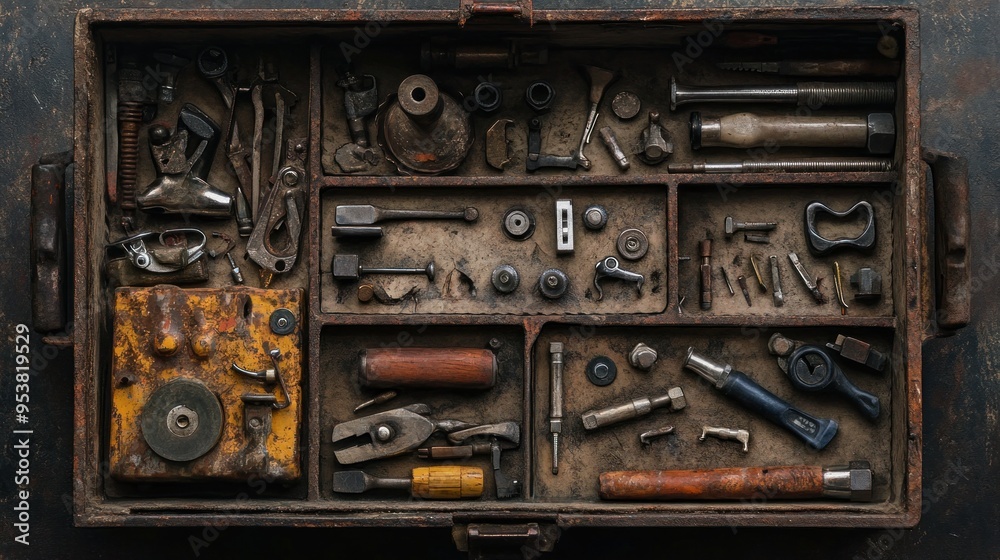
<point>390,433</point>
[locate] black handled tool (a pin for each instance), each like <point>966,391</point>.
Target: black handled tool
<point>810,368</point>
<point>817,432</point>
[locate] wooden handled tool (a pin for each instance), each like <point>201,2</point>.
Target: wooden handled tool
<point>853,482</point>
<point>441,368</point>
<point>434,483</point>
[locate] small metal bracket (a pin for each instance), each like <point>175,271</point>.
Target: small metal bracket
<point>492,540</point>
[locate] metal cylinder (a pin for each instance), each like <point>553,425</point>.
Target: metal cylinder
<point>746,130</point>
<point>420,99</point>
<point>707,368</point>
<point>810,94</point>
<point>453,368</point>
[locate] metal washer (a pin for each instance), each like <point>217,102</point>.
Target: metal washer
<point>632,244</point>
<point>282,321</point>
<point>518,224</point>
<point>601,371</point>
<point>553,283</point>
<point>626,105</point>
<point>182,420</point>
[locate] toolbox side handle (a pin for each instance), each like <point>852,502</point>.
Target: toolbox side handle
<point>49,245</point>
<point>952,253</point>
<point>519,9</point>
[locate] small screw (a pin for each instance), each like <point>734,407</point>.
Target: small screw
<point>743,286</point>
<point>732,226</point>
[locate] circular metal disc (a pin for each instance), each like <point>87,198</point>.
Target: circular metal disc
<point>601,371</point>
<point>626,105</point>
<point>182,420</point>
<point>632,244</point>
<point>282,321</point>
<point>505,278</point>
<point>518,224</point>
<point>553,283</point>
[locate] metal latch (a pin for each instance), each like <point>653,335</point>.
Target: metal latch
<point>519,9</point>
<point>493,540</point>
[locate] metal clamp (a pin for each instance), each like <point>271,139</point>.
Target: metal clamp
<point>608,268</point>
<point>820,245</point>
<point>153,261</point>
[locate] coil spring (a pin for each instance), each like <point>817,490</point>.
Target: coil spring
<point>129,122</point>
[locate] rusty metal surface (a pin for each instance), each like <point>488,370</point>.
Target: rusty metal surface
<point>956,477</point>
<point>165,333</point>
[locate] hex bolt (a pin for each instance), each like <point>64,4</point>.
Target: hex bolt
<point>642,357</point>
<point>674,399</point>
<point>732,226</point>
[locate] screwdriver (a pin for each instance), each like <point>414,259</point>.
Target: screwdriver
<point>442,482</point>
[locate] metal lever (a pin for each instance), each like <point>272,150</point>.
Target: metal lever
<point>599,80</point>
<point>284,206</point>
<point>810,368</point>
<point>152,261</point>
<point>268,377</point>
<point>608,268</point>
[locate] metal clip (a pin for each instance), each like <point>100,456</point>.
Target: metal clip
<point>157,261</point>
<point>283,207</point>
<point>268,377</point>
<point>608,268</point>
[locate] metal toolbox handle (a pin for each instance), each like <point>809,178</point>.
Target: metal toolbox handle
<point>49,246</point>
<point>952,253</point>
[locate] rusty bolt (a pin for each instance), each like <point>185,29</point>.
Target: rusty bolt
<point>642,357</point>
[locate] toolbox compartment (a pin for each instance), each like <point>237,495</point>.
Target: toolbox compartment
<point>459,307</point>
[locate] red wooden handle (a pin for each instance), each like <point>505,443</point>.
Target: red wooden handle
<point>448,368</point>
<point>714,484</point>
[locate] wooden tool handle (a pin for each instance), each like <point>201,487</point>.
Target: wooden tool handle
<point>443,368</point>
<point>444,482</point>
<point>714,484</point>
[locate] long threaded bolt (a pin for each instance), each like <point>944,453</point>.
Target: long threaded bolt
<point>805,165</point>
<point>732,226</point>
<point>809,94</point>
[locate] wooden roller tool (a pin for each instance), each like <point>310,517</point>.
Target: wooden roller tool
<point>439,368</point>
<point>852,482</point>
<point>433,483</point>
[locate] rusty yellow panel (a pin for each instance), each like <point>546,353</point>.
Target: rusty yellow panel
<point>164,333</point>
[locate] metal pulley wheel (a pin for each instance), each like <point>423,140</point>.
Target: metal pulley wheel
<point>182,420</point>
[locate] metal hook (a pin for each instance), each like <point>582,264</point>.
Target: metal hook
<point>608,268</point>
<point>268,377</point>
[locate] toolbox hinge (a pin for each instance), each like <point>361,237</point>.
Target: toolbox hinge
<point>518,9</point>
<point>494,540</point>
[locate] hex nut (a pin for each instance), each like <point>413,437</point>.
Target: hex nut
<point>881,133</point>
<point>677,398</point>
<point>642,357</point>
<point>861,481</point>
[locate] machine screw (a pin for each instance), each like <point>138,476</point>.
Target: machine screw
<point>732,226</point>
<point>505,278</point>
<point>642,357</point>
<point>553,283</point>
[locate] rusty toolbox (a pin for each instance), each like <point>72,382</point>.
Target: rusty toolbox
<point>502,268</point>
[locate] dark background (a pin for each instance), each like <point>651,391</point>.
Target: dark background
<point>961,108</point>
